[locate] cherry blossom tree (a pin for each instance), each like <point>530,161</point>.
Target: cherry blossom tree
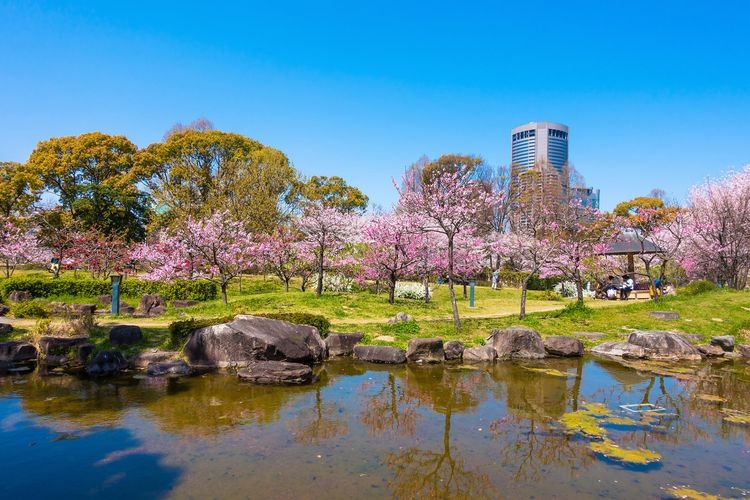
<point>18,246</point>
<point>449,204</point>
<point>285,255</point>
<point>393,248</point>
<point>717,245</point>
<point>97,253</point>
<point>166,258</point>
<point>327,231</point>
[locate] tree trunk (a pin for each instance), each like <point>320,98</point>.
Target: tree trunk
<point>579,289</point>
<point>377,287</point>
<point>241,282</point>
<point>452,292</point>
<point>224,292</point>
<point>465,296</point>
<point>392,292</point>
<point>286,285</point>
<point>319,289</point>
<point>524,285</point>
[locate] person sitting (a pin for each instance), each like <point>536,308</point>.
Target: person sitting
<point>627,287</point>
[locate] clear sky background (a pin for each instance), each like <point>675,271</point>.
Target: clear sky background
<point>656,94</point>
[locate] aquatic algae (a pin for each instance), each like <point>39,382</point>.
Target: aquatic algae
<point>621,421</point>
<point>736,417</point>
<point>639,456</point>
<point>582,421</point>
<point>710,398</point>
<point>552,372</point>
<point>691,494</point>
<point>597,409</point>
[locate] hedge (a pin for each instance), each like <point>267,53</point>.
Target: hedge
<point>46,287</point>
<point>180,330</point>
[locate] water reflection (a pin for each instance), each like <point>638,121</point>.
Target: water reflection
<point>378,431</point>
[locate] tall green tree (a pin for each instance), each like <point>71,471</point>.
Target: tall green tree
<point>19,189</point>
<point>94,177</point>
<point>334,192</point>
<point>201,172</point>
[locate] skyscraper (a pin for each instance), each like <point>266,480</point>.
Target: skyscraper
<point>538,143</point>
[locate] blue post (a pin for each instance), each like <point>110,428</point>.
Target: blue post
<point>116,280</point>
<point>471,293</point>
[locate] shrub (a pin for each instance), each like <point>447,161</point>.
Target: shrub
<point>575,310</point>
<point>568,289</point>
<point>410,291</point>
<point>549,295</point>
<point>29,309</point>
<point>46,287</point>
<point>337,283</point>
<point>179,331</point>
<point>698,287</point>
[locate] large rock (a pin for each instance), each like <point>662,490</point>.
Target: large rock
<point>668,346</point>
<point>61,346</point>
<point>106,363</point>
<point>401,317</point>
<point>559,345</point>
<point>482,354</point>
<point>743,350</point>
<point>710,351</point>
<point>125,335</point>
<point>4,309</point>
<point>517,343</point>
<point>20,296</point>
<point>105,300</point>
<point>671,315</point>
<point>17,351</point>
<point>143,359</point>
<point>620,350</point>
<point>342,344</point>
<point>454,350</point>
<point>726,342</point>
<point>380,354</point>
<point>425,351</point>
<point>5,328</point>
<point>590,335</point>
<point>179,304</point>
<point>176,368</point>
<point>692,337</point>
<point>276,372</point>
<point>249,338</point>
<point>152,305</point>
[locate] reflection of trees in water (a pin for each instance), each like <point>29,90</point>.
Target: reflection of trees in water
<point>320,423</point>
<point>528,442</point>
<point>388,407</point>
<point>442,472</point>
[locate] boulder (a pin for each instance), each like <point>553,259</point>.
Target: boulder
<point>620,350</point>
<point>590,335</point>
<point>276,372</point>
<point>249,338</point>
<point>517,343</point>
<point>143,359</point>
<point>4,309</point>
<point>454,350</point>
<point>17,351</point>
<point>668,346</point>
<point>179,304</point>
<point>19,296</point>
<point>692,337</point>
<point>482,354</point>
<point>125,335</point>
<point>57,308</point>
<point>176,368</point>
<point>152,305</point>
<point>743,350</point>
<point>726,342</point>
<point>83,353</point>
<point>105,300</point>
<point>61,346</point>
<point>83,309</point>
<point>106,363</point>
<point>710,351</point>
<point>425,351</point>
<point>380,354</point>
<point>5,328</point>
<point>559,345</point>
<point>664,315</point>
<point>342,344</point>
<point>401,317</point>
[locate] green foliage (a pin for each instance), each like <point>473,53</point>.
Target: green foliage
<point>180,330</point>
<point>697,287</point>
<point>334,192</point>
<point>29,309</point>
<point>514,279</point>
<point>46,287</point>
<point>407,328</point>
<point>576,310</point>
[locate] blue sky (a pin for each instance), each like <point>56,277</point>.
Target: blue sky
<point>656,94</point>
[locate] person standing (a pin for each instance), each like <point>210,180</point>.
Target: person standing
<point>627,287</point>
<point>495,275</point>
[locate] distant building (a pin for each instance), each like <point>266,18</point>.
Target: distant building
<point>587,196</point>
<point>539,143</point>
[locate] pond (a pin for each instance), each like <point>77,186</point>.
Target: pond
<point>371,431</point>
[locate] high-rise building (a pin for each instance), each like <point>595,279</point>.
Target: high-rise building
<point>587,196</point>
<point>538,143</point>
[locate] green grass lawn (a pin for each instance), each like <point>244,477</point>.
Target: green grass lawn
<point>711,313</point>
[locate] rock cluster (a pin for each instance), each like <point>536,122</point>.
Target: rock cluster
<point>651,345</point>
